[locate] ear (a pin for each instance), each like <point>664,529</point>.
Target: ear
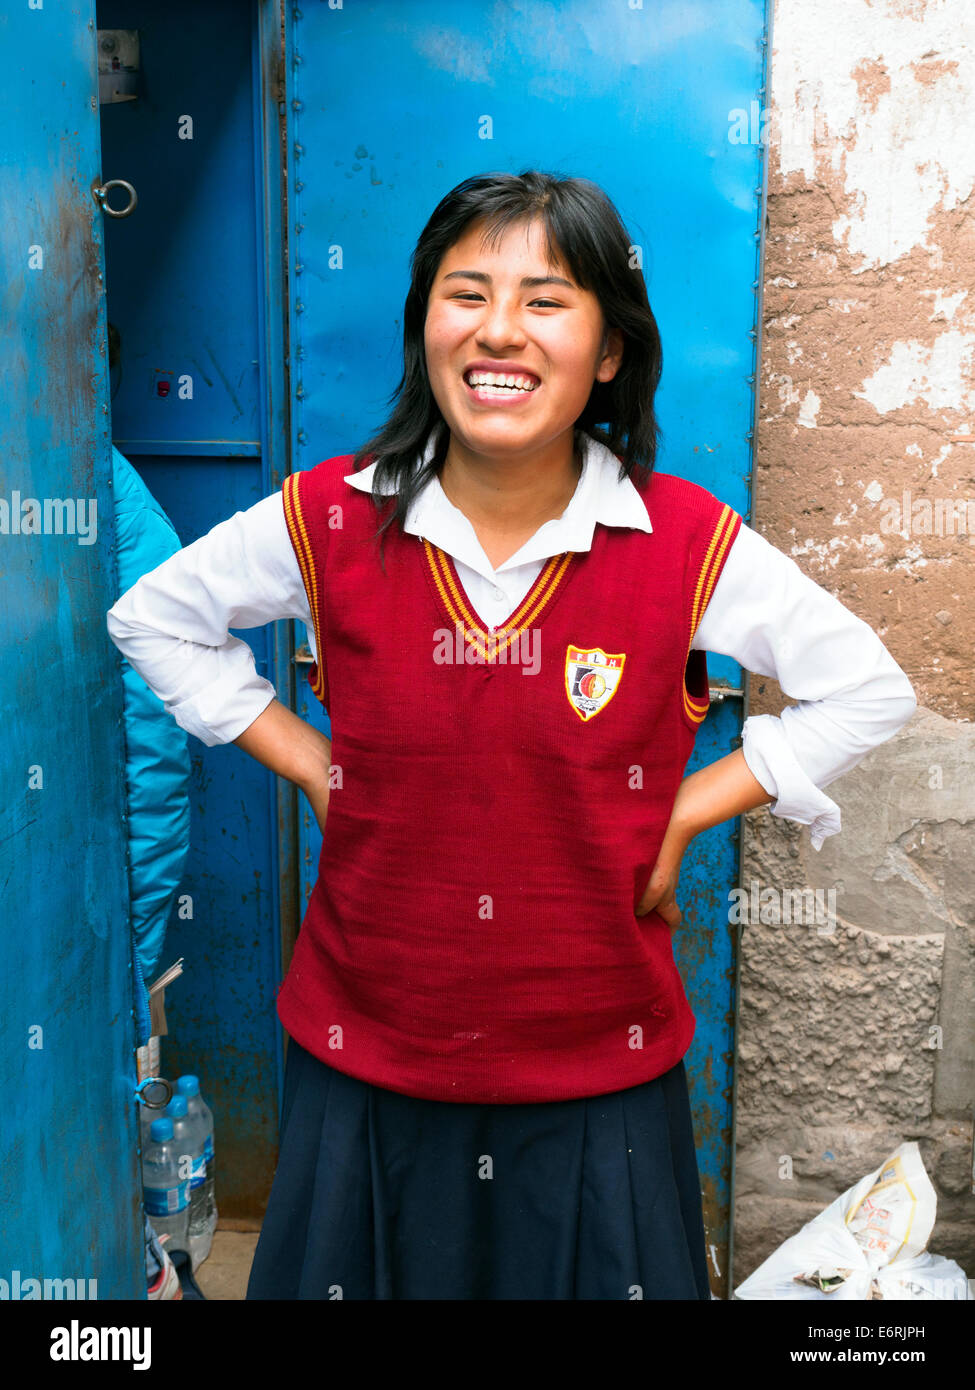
<point>611,355</point>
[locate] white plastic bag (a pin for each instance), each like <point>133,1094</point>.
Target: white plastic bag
<point>869,1243</point>
<point>927,1276</point>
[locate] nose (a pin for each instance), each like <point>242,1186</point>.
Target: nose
<point>501,324</point>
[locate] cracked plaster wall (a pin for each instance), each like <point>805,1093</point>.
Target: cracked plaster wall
<point>854,1040</point>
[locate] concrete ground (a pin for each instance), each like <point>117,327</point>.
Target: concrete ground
<point>224,1273</point>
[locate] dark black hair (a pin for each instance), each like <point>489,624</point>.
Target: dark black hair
<point>584,228</point>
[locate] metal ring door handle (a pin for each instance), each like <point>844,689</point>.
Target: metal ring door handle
<point>154,1082</point>
<point>101,192</point>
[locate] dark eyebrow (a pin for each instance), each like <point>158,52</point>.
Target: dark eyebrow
<point>529,282</point>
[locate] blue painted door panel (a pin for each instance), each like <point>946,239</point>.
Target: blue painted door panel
<point>199,317</point>
<point>69,1181</point>
<point>388,108</point>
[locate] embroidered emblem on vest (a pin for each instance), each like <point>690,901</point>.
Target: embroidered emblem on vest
<point>592,678</point>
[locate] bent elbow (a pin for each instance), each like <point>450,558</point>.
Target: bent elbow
<point>117,627</point>
<point>902,707</point>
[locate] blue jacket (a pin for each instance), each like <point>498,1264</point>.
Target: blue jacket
<point>157,763</point>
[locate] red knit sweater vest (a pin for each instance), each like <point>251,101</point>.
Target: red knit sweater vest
<point>498,802</point>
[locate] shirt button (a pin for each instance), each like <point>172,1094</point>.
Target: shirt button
<point>499,594</point>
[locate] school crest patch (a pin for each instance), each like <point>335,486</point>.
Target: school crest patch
<point>592,678</point>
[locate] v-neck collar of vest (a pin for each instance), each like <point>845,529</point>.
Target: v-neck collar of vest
<point>449,591</point>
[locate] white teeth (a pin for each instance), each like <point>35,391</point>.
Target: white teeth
<point>511,383</point>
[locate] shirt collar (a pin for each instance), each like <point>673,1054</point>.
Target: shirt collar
<point>599,498</point>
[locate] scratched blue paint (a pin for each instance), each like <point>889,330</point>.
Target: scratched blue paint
<point>385,106</point>
<point>69,1190</point>
<point>705,951</point>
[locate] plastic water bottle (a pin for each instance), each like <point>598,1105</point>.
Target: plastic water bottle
<point>188,1136</point>
<point>166,1195</point>
<point>196,1106</point>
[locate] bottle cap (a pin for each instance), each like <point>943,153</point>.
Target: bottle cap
<point>161,1130</point>
<point>176,1108</point>
<point>188,1085</point>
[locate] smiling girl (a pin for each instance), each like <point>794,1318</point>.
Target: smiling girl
<point>485,1093</point>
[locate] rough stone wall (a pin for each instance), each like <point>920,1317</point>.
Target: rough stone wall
<point>860,1034</point>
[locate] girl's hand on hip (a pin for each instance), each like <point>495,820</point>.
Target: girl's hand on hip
<point>317,794</point>
<point>661,891</point>
<point>713,794</point>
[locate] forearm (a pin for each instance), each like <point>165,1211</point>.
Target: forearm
<point>716,793</point>
<point>707,797</point>
<point>288,746</point>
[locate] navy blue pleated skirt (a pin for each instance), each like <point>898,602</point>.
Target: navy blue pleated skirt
<point>382,1195</point>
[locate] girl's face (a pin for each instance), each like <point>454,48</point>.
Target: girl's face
<point>508,312</point>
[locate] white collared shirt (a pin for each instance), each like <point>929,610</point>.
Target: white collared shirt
<point>172,626</point>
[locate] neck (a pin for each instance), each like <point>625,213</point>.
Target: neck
<point>526,491</point>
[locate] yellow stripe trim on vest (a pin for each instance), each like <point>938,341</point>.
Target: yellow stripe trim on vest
<point>530,607</point>
<point>696,709</point>
<point>294,517</point>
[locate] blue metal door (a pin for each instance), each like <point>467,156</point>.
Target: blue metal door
<point>390,105</point>
<point>196,295</point>
<point>69,1180</point>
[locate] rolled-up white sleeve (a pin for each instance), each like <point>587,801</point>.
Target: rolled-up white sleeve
<point>173,624</point>
<point>775,621</point>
